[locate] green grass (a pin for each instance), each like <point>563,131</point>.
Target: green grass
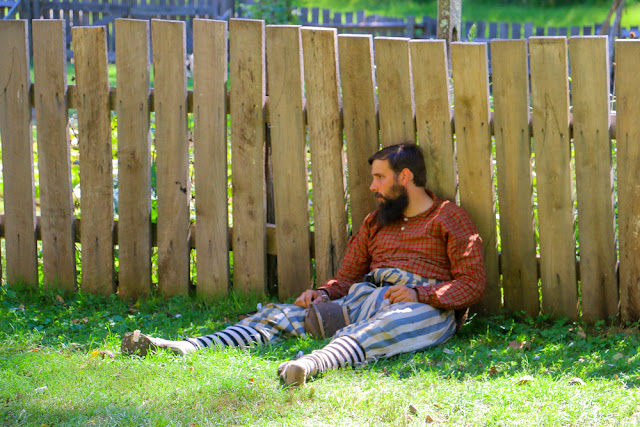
<point>60,364</point>
<point>487,10</point>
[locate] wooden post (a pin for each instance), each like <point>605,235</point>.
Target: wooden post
<point>134,159</point>
<point>17,155</point>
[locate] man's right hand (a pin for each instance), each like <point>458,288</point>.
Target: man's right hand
<point>308,297</point>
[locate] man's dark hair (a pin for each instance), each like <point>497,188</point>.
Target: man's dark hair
<point>402,156</point>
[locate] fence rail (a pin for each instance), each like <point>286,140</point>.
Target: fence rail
<point>557,157</point>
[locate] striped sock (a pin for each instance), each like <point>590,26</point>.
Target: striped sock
<point>339,353</point>
<point>234,336</point>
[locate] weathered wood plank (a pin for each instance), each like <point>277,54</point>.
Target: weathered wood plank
<point>17,155</point>
<point>550,101</point>
<point>395,100</point>
<point>433,115</point>
<point>172,151</point>
<point>52,122</point>
<point>289,154</point>
<point>594,177</point>
<point>628,158</point>
<point>515,178</point>
<point>96,175</point>
<point>134,158</point>
<point>325,137</point>
<point>210,156</point>
<point>475,171</point>
<point>247,99</point>
<point>357,77</point>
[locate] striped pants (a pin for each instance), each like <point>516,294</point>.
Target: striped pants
<point>382,329</point>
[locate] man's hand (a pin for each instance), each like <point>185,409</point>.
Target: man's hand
<point>401,293</point>
<point>307,297</point>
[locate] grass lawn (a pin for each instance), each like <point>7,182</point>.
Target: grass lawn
<point>488,10</point>
<point>60,364</point>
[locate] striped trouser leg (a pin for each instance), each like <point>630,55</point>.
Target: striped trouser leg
<point>384,329</point>
<point>260,328</point>
<point>339,353</point>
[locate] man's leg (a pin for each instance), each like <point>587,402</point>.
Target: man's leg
<point>259,328</point>
<point>380,329</point>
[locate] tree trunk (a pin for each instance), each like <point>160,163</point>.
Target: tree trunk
<point>449,22</point>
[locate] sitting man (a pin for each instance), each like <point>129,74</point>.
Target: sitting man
<point>413,263</point>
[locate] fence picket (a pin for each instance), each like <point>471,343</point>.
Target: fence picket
<point>357,77</point>
<point>550,100</point>
<point>247,98</point>
<point>628,157</point>
<point>210,156</point>
<point>289,154</point>
<point>134,158</point>
<point>475,172</point>
<point>17,156</point>
<point>594,177</point>
<point>172,148</point>
<point>54,164</point>
<point>433,115</point>
<point>325,138</point>
<point>515,180</point>
<point>96,175</point>
<point>395,97</point>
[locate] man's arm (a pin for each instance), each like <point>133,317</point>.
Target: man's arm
<point>465,252</point>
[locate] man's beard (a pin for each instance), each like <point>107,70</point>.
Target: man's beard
<point>392,207</point>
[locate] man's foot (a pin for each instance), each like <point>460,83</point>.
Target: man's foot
<point>136,343</point>
<point>293,373</point>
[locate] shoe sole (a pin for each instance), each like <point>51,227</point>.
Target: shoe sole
<point>139,347</point>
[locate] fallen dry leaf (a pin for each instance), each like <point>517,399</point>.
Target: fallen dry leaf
<point>519,345</point>
<point>525,380</point>
<point>576,381</point>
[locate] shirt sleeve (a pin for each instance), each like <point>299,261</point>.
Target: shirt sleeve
<point>465,252</point>
<point>355,264</point>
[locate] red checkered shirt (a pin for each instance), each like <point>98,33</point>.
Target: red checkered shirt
<point>441,243</point>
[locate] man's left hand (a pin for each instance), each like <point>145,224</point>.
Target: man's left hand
<point>401,293</point>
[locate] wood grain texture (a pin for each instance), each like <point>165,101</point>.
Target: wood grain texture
<point>514,173</point>
<point>628,157</point>
<point>52,122</point>
<point>96,174</point>
<point>475,167</point>
<point>17,155</point>
<point>210,156</point>
<point>247,99</point>
<point>395,91</point>
<point>552,145</point>
<point>594,176</point>
<point>289,154</point>
<point>325,138</point>
<point>433,115</point>
<point>357,78</point>
<point>174,189</point>
<point>134,158</point>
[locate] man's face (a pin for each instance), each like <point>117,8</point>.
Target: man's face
<point>392,196</point>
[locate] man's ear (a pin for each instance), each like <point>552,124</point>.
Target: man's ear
<point>405,176</point>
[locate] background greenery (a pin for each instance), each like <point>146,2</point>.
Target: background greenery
<point>560,13</point>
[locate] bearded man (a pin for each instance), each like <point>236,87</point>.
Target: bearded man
<point>414,263</point>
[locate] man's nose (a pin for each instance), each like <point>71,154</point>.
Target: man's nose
<point>372,187</point>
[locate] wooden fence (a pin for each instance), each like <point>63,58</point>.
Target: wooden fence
<point>331,100</point>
